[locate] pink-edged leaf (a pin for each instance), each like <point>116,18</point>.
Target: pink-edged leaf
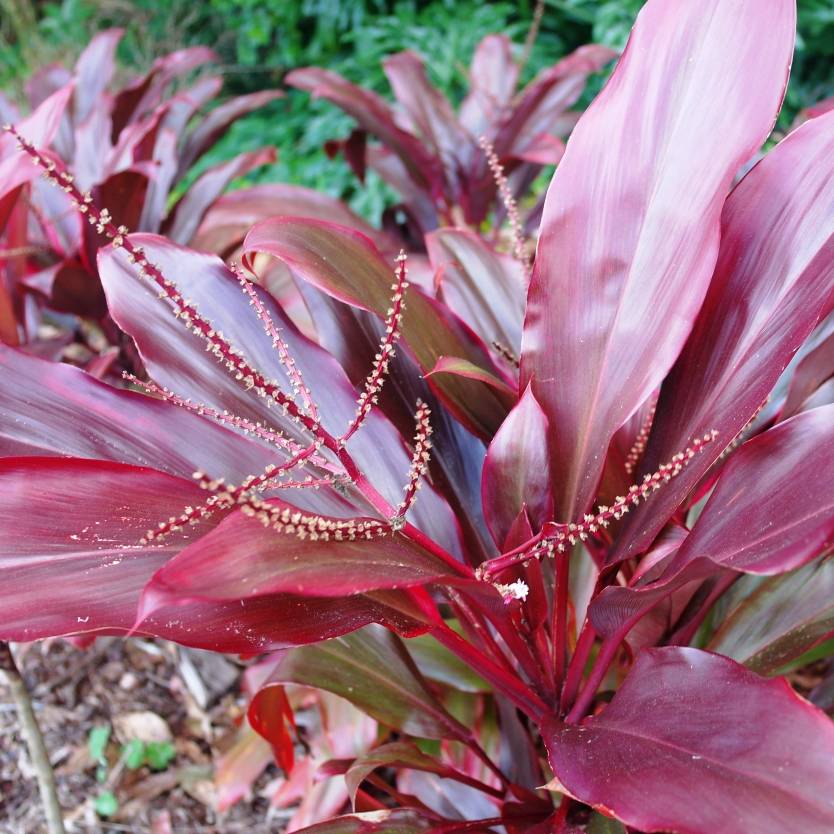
<point>517,470</point>
<point>54,409</point>
<point>231,216</point>
<point>630,229</point>
<point>245,559</point>
<point>430,114</point>
<point>374,115</point>
<point>372,669</point>
<point>345,264</point>
<point>39,128</point>
<point>538,107</point>
<point>464,368</point>
<point>493,76</point>
<point>217,122</point>
<point>777,619</point>
<point>396,821</point>
<point>94,71</point>
<point>485,288</point>
<point>772,284</point>
<point>136,101</point>
<point>814,369</point>
<point>71,559</point>
<point>177,359</point>
<point>189,211</point>
<point>688,724</point>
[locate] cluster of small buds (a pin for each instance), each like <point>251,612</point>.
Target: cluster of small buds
<point>557,538</point>
<point>505,353</point>
<point>294,374</point>
<point>190,516</point>
<point>510,204</point>
<point>419,463</point>
<point>515,590</point>
<point>636,451</point>
<point>739,438</point>
<point>393,323</point>
<point>291,521</point>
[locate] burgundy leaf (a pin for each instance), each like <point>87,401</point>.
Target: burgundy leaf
<point>772,284</point>
<point>430,114</point>
<point>688,725</point>
<point>517,470</point>
<point>71,558</point>
<point>243,558</point>
<point>492,80</point>
<point>52,409</point>
<point>94,71</point>
<point>189,211</point>
<point>374,115</point>
<point>485,288</point>
<point>630,230</point>
<point>814,369</point>
<point>228,220</point>
<point>217,122</point>
<point>396,821</point>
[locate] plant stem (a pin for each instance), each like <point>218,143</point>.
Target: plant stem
<point>576,668</point>
<point>561,600</point>
<point>34,741</point>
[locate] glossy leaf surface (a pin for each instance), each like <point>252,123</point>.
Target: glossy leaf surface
<point>621,270</point>
<point>772,284</point>
<point>687,725</point>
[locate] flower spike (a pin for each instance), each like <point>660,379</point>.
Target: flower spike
<point>510,204</point>
<point>284,356</point>
<point>419,463</point>
<point>558,537</point>
<point>636,451</point>
<point>393,322</point>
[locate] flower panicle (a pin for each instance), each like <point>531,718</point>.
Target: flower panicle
<point>420,459</point>
<point>639,446</point>
<point>286,359</point>
<point>393,325</point>
<point>557,537</point>
<point>510,204</point>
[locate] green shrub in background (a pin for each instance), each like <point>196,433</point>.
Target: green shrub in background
<point>259,42</point>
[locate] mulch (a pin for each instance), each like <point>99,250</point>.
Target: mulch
<point>195,694</point>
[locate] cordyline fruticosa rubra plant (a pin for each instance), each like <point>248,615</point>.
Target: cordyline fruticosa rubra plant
<point>442,163</point>
<point>583,518</point>
<point>130,146</point>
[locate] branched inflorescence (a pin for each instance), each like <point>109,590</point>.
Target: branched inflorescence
<point>556,538</point>
<point>298,406</point>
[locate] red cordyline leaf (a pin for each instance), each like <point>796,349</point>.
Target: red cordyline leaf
<point>271,716</point>
<point>697,744</point>
<point>621,268</point>
<point>772,284</point>
<point>517,472</point>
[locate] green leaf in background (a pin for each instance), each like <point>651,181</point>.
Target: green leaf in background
<point>106,804</point>
<point>97,743</point>
<point>604,825</point>
<point>133,754</point>
<point>159,754</point>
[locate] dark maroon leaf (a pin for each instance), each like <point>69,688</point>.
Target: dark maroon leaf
<point>687,725</point>
<point>621,270</point>
<point>517,470</point>
<point>396,821</point>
